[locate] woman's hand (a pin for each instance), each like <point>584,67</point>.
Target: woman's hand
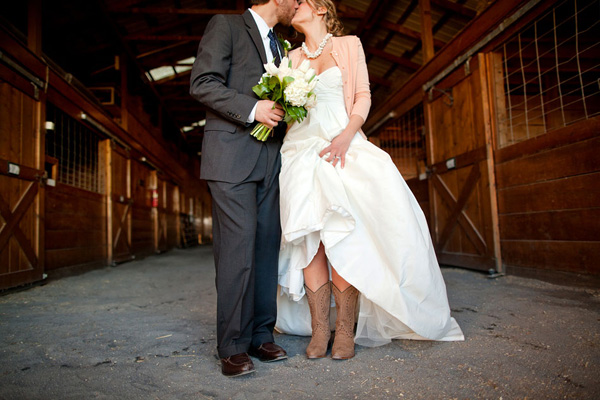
<point>338,148</point>
<point>339,145</point>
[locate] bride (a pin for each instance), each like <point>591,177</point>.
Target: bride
<point>350,224</point>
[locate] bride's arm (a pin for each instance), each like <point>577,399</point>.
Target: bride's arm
<point>362,102</point>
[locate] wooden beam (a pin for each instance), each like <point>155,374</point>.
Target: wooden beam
<point>426,30</point>
<point>379,81</point>
<point>34,26</point>
<point>123,66</point>
<point>455,7</point>
<point>124,4</point>
<point>410,33</point>
<point>390,35</point>
<point>469,36</point>
<point>407,64</point>
<point>348,12</point>
<point>177,23</point>
<point>170,10</point>
<point>159,50</point>
<point>163,38</point>
<point>366,21</point>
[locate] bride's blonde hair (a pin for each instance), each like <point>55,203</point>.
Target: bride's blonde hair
<point>332,22</point>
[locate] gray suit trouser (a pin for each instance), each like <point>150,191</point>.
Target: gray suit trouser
<point>246,239</point>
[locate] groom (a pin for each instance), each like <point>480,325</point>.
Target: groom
<point>243,178</point>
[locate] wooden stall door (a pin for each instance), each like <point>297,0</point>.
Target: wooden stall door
<point>21,197</point>
<point>159,198</point>
<point>173,220</point>
<point>120,204</point>
<point>462,184</point>
<point>142,235</point>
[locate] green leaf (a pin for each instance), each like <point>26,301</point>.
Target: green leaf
<point>287,80</point>
<point>261,91</point>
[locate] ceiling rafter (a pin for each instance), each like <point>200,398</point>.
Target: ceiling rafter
<point>390,35</point>
<point>409,32</point>
<point>345,11</point>
<point>162,38</point>
<point>181,21</point>
<point>171,10</point>
<point>457,8</point>
<point>403,62</point>
<point>160,33</point>
<point>411,53</point>
<point>370,16</point>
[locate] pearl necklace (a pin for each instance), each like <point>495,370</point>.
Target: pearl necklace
<point>317,53</point>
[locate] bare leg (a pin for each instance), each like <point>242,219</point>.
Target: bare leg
<point>316,274</point>
<point>338,281</point>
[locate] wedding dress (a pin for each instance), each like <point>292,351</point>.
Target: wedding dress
<point>373,230</point>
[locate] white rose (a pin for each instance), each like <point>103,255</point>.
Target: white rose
<point>305,66</point>
<point>311,101</point>
<point>309,74</point>
<point>284,70</point>
<point>271,69</point>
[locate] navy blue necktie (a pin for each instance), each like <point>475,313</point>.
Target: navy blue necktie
<point>274,48</point>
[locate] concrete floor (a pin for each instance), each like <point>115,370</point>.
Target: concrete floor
<point>146,330</point>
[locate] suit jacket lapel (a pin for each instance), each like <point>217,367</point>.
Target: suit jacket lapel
<point>255,35</point>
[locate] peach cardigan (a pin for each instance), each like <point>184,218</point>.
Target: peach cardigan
<point>349,56</point>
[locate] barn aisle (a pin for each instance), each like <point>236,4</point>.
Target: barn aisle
<point>145,330</point>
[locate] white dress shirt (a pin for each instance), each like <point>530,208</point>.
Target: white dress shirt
<point>263,29</point>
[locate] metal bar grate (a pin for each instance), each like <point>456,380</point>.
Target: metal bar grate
<point>404,141</point>
<point>75,146</point>
<point>550,72</point>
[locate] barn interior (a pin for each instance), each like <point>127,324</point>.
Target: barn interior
<point>489,109</point>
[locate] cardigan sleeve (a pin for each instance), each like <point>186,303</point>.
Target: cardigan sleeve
<point>362,92</point>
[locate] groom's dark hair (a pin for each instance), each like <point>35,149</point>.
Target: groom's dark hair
<point>258,2</point>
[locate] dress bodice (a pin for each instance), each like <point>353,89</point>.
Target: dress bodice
<point>329,88</point>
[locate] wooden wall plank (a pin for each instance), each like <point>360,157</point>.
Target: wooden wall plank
<point>59,258</point>
<point>566,225</point>
<point>577,192</point>
<point>553,255</point>
<point>580,131</point>
<point>76,227</point>
<point>69,239</point>
<point>575,159</point>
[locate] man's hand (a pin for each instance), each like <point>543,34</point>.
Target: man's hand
<point>267,114</point>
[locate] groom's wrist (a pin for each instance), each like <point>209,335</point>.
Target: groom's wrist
<point>252,115</point>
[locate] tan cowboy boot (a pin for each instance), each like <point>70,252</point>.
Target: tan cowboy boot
<point>345,304</point>
<point>319,303</point>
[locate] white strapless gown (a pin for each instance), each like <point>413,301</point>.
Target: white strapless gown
<point>373,230</point>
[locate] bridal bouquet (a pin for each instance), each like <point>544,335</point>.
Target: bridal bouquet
<point>290,87</point>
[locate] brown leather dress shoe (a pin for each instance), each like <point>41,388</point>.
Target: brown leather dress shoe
<point>237,365</point>
<point>268,352</point>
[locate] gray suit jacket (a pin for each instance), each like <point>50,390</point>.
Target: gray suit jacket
<point>229,62</point>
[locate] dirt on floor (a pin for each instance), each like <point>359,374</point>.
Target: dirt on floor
<point>146,330</point>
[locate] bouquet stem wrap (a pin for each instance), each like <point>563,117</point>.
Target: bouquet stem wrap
<point>292,88</point>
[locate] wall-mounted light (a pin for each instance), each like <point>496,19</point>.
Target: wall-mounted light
<point>84,117</point>
<point>49,125</point>
<point>388,116</point>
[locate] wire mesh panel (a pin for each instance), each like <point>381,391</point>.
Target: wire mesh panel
<point>548,74</point>
<point>404,141</point>
<point>75,146</point>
